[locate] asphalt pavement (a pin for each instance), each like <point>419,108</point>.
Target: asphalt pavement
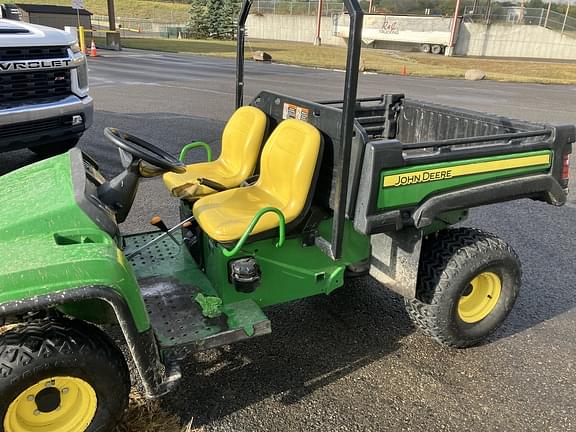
<point>352,361</point>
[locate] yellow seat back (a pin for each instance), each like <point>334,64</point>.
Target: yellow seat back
<point>241,141</point>
<point>288,164</point>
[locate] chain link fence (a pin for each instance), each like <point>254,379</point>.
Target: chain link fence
<point>524,16</point>
<point>283,7</point>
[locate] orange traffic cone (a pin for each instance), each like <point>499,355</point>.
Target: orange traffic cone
<point>93,52</point>
<point>404,71</point>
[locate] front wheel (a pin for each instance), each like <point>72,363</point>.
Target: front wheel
<point>468,281</point>
<point>61,376</point>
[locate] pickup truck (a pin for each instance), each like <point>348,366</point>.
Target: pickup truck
<point>44,101</point>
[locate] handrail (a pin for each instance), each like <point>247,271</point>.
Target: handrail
<point>194,145</point>
<point>255,220</point>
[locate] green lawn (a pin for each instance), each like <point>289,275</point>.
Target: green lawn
<point>416,64</point>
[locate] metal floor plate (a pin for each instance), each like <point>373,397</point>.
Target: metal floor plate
<point>169,281</point>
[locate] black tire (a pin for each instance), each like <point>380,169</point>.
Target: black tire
<point>37,351</point>
<point>450,260</point>
<point>48,150</point>
<point>436,49</point>
<point>425,48</point>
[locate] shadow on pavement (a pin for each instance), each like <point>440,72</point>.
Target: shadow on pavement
<point>314,342</point>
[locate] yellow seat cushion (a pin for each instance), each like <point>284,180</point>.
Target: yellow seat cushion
<point>241,142</point>
<point>287,170</point>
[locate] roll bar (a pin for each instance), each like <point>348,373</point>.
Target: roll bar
<point>342,168</point>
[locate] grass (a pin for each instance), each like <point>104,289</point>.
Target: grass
<point>417,64</point>
<point>147,416</point>
<point>159,11</point>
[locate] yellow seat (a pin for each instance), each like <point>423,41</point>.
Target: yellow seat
<point>287,171</point>
<point>241,141</point>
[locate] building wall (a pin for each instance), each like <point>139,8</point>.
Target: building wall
<point>296,28</point>
<point>56,20</point>
<point>525,41</point>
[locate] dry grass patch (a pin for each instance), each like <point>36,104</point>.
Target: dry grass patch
<point>147,416</point>
<point>381,61</point>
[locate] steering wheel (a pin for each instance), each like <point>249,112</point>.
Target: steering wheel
<point>144,150</point>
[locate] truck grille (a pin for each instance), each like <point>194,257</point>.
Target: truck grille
<point>34,85</point>
<point>34,127</point>
<point>33,53</point>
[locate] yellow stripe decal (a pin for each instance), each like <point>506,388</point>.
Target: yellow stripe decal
<point>436,174</point>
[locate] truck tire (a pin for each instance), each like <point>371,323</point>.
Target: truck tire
<point>61,375</point>
<point>53,149</point>
<point>468,281</point>
<point>425,48</point>
<point>436,49</point>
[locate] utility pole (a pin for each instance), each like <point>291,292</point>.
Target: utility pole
<point>454,29</point>
<point>565,18</point>
<point>548,13</point>
<point>318,39</point>
<point>111,16</point>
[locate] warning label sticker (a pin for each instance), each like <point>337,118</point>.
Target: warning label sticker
<point>295,112</point>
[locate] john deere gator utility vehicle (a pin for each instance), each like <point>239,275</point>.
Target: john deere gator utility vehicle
<point>302,196</point>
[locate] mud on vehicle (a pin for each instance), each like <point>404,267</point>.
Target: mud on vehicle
<point>303,195</point>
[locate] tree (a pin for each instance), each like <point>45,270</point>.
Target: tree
<point>212,19</point>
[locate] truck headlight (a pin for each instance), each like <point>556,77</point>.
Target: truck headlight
<point>75,47</point>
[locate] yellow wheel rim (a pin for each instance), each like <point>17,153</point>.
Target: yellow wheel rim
<point>481,297</point>
<point>59,404</point>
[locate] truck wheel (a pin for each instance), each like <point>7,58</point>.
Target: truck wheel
<point>468,282</point>
<point>61,376</point>
<point>425,48</point>
<point>436,49</point>
<point>54,149</point>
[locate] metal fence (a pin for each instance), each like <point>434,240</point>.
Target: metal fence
<point>140,27</point>
<point>520,15</point>
<point>283,7</point>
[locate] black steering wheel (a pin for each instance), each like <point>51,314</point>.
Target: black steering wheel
<point>144,150</point>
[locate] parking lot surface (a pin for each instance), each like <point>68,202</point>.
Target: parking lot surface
<point>352,361</point>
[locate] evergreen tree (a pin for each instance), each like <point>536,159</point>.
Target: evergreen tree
<point>212,19</point>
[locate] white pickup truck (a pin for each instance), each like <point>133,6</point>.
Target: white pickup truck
<point>44,101</point>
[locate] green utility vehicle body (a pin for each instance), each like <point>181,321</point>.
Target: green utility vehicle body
<point>390,178</point>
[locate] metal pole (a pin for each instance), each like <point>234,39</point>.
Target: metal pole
<point>342,167</point>
<point>488,11</point>
<point>111,16</point>
<point>521,17</point>
<point>318,40</point>
<point>240,52</point>
<point>548,13</point>
<point>370,7</point>
<point>565,18</point>
<point>454,28</point>
<point>475,7</point>
<point>541,16</point>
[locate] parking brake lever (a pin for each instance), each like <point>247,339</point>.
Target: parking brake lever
<point>212,184</point>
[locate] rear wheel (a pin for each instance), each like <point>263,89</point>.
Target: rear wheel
<point>468,282</point>
<point>436,49</point>
<point>54,149</point>
<point>61,376</point>
<point>425,48</point>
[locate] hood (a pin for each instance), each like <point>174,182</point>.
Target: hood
<point>20,34</point>
<point>38,200</point>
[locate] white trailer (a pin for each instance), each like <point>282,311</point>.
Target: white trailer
<point>430,33</point>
